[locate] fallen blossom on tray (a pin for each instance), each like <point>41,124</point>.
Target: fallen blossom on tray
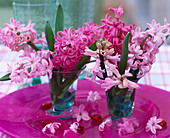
<point>93,96</point>
<point>127,127</point>
<point>107,122</point>
<point>80,113</point>
<point>153,124</point>
<point>51,128</point>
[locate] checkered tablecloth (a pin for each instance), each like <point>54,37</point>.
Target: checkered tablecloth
<point>159,76</point>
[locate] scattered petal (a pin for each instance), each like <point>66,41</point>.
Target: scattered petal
<point>153,124</point>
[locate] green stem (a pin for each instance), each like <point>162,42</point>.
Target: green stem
<point>32,45</point>
<point>144,40</point>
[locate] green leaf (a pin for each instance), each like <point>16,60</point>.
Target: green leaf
<point>5,77</point>
<point>84,59</point>
<point>124,56</point>
<point>59,20</point>
<point>49,36</point>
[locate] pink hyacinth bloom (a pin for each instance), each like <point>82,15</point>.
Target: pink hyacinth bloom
<point>110,60</point>
<point>37,71</point>
<point>107,122</point>
<point>90,32</point>
<point>136,51</point>
<point>71,45</point>
<point>80,113</point>
<point>29,27</point>
<point>51,128</point>
<point>14,35</point>
<point>121,81</point>
<point>41,41</point>
<point>166,27</point>
<point>18,76</point>
<point>32,60</point>
<point>137,34</point>
<point>14,25</point>
<point>156,31</point>
<point>114,30</point>
<point>69,49</point>
<point>109,83</point>
<point>117,11</point>
<point>93,96</point>
<point>27,51</point>
<point>47,67</point>
<point>152,124</point>
<point>127,127</point>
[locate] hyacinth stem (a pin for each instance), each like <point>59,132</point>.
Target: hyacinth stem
<point>144,40</point>
<point>103,66</point>
<point>32,45</point>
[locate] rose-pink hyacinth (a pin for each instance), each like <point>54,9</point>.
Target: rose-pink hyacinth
<point>117,11</point>
<point>91,32</point>
<point>68,49</point>
<point>114,30</point>
<point>70,45</point>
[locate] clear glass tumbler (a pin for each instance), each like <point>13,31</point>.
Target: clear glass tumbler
<point>39,11</point>
<point>76,12</point>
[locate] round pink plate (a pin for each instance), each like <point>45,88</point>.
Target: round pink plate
<point>21,115</point>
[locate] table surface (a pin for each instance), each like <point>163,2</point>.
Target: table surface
<point>159,98</point>
<point>159,75</point>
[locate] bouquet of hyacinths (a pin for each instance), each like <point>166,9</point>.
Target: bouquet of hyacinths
<point>62,62</point>
<point>123,56</point>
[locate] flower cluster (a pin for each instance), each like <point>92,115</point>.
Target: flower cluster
<point>114,29</point>
<point>69,48</point>
<point>142,48</point>
<point>16,36</point>
<point>34,65</point>
<point>70,45</point>
<point>145,46</point>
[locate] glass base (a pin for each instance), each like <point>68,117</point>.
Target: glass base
<point>63,114</point>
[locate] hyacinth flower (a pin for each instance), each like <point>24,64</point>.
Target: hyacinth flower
<point>153,124</point>
<point>93,96</point>
<point>62,63</point>
<point>80,113</point>
<point>127,126</point>
<point>123,56</point>
<point>66,47</point>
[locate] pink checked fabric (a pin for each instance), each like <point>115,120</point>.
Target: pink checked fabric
<point>159,75</point>
<point>7,57</point>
